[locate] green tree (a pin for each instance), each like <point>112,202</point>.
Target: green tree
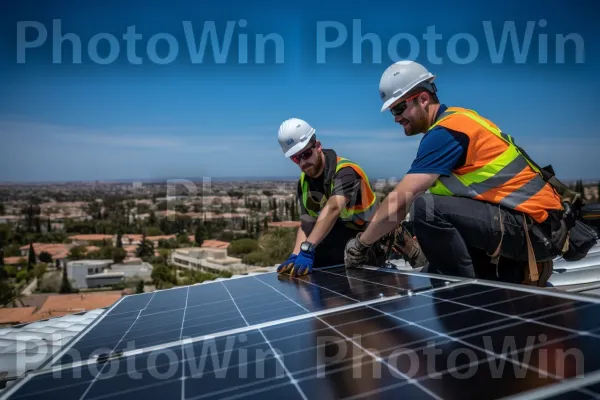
<point>22,276</point>
<point>77,253</point>
<point>153,231</point>
<point>48,226</point>
<point>579,186</point>
<point>257,228</point>
<point>266,224</point>
<point>45,257</point>
<point>7,292</point>
<point>183,238</point>
<point>152,218</point>
<point>1,249</point>
<point>31,260</point>
<point>2,209</point>
<point>140,287</point>
<point>145,249</point>
<point>163,276</point>
<point>199,234</point>
<point>242,246</point>
<point>65,286</point>
<point>209,230</point>
<point>119,243</point>
<point>118,255</point>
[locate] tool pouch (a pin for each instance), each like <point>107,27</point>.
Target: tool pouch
<point>581,239</point>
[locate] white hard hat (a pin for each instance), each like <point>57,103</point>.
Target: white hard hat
<point>400,78</point>
<point>294,134</point>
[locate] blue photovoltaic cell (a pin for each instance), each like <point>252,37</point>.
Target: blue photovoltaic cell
<point>157,318</point>
<point>422,346</point>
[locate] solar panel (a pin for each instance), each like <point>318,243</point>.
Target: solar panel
<point>166,316</point>
<point>363,333</point>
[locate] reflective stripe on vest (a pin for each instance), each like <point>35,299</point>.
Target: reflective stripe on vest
<point>355,216</point>
<point>509,179</point>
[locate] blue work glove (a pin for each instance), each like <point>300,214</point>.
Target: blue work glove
<point>287,265</point>
<point>304,263</point>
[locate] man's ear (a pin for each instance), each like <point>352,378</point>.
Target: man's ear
<point>424,99</point>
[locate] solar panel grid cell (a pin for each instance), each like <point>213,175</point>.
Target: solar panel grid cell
<point>428,345</point>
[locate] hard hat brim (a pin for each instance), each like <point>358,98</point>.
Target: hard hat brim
<point>298,146</point>
<point>389,102</point>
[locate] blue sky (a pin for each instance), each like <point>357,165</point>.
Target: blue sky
<point>91,121</point>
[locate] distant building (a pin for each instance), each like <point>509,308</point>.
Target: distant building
<point>78,271</point>
<point>142,270</point>
<point>215,244</point>
<point>204,258</point>
<point>85,239</point>
<point>58,251</point>
<point>105,278</point>
<point>6,219</point>
<point>87,274</point>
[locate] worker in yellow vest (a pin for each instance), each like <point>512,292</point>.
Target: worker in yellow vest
<point>489,213</point>
<point>336,201</point>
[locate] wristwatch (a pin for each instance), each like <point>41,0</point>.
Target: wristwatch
<point>307,247</point>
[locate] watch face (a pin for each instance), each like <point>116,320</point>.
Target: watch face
<point>305,246</point>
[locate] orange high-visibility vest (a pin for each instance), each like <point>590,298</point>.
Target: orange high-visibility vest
<point>494,170</point>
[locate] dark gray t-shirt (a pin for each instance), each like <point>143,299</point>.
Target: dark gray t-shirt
<point>346,182</point>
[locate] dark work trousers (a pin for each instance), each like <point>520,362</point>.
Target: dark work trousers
<point>331,249</point>
<point>458,235</point>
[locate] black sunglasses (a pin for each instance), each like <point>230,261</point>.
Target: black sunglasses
<point>305,155</point>
<point>401,107</point>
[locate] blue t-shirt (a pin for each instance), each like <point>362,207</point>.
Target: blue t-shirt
<point>441,150</point>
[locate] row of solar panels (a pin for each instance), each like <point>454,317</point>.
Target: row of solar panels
<point>338,334</point>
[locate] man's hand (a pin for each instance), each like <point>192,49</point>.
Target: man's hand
<point>287,265</point>
<point>356,253</point>
<point>409,247</point>
<point>303,264</point>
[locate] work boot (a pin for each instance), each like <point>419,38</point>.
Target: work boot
<point>408,247</point>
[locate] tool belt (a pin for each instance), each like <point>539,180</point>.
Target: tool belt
<point>400,243</point>
<point>537,273</point>
<point>570,238</point>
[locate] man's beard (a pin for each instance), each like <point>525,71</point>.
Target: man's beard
<point>312,169</point>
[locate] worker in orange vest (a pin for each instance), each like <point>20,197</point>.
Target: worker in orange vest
<point>487,201</point>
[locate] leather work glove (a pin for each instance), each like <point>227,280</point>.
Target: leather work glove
<point>356,253</point>
<point>408,246</point>
<point>304,263</point>
<point>287,266</point>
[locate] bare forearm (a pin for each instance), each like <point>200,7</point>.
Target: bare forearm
<point>389,215</point>
<point>323,226</point>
